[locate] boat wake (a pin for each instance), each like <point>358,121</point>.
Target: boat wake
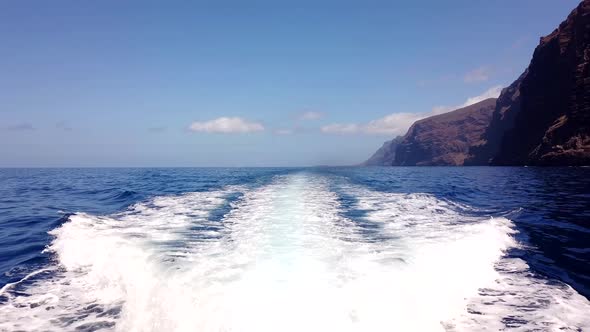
<point>289,256</point>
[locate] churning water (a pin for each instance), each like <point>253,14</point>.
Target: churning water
<point>284,250</point>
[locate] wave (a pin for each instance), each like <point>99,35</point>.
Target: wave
<point>469,256</point>
<point>287,256</point>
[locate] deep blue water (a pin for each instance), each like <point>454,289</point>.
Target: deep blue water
<point>549,209</point>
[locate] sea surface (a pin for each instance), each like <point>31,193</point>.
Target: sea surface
<point>295,249</point>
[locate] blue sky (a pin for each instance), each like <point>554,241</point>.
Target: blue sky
<point>256,83</point>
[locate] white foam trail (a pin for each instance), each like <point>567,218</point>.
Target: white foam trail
<point>110,262</point>
<point>286,259</point>
<point>466,257</point>
<point>10,285</point>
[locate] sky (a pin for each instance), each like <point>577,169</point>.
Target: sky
<point>246,83</point>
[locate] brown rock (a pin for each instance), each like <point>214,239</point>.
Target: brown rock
<point>445,139</point>
<point>385,156</point>
<point>544,117</point>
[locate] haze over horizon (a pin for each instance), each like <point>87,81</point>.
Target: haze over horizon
<point>136,84</point>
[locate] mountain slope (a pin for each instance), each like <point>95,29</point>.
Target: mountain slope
<point>385,156</point>
<point>445,139</point>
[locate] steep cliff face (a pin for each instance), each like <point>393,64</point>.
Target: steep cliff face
<point>543,118</point>
<point>507,107</point>
<point>385,156</point>
<point>445,139</point>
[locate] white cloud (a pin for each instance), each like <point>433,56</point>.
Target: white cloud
<point>227,125</point>
<point>310,115</point>
<point>398,123</point>
<point>493,92</point>
<point>480,74</point>
<point>283,132</point>
<point>393,124</point>
<point>25,126</point>
<point>340,128</point>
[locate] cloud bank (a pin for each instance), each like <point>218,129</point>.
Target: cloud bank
<point>341,128</point>
<point>392,124</point>
<point>283,132</point>
<point>25,126</point>
<point>227,125</point>
<point>493,92</point>
<point>398,123</point>
<point>310,115</point>
<point>477,75</point>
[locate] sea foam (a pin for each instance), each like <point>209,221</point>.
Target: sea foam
<point>286,257</point>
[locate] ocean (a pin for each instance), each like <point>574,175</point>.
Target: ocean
<point>295,249</point>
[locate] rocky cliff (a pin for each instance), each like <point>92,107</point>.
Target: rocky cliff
<point>543,118</point>
<point>445,139</point>
<point>385,156</point>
